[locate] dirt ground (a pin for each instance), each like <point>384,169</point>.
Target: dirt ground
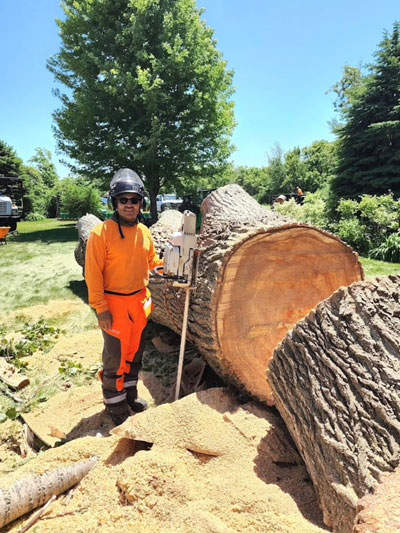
<point>206,463</point>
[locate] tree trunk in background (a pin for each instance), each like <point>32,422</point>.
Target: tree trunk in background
<point>84,226</point>
<point>336,382</point>
<point>259,273</point>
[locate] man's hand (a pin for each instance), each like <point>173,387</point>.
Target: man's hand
<point>105,320</point>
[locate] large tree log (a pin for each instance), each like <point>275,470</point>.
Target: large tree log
<point>336,382</point>
<point>259,273</point>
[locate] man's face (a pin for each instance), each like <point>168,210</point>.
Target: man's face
<point>128,211</point>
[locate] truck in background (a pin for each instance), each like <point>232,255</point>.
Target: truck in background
<point>11,201</point>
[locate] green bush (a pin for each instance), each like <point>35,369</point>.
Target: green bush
<point>389,250</point>
<point>35,216</point>
<point>313,211</point>
<point>78,199</point>
<point>290,209</point>
<point>367,224</point>
<point>353,232</point>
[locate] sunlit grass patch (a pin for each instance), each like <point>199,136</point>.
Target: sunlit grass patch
<point>373,268</point>
<point>38,265</point>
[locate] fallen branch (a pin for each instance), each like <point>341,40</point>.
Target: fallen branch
<point>36,517</point>
<point>14,397</point>
<point>35,490</point>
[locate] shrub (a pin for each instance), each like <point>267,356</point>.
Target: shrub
<point>313,211</point>
<point>367,224</point>
<point>353,232</point>
<point>35,216</point>
<point>290,209</point>
<point>389,250</point>
<point>78,200</point>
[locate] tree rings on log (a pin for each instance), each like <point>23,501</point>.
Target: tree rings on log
<point>259,273</point>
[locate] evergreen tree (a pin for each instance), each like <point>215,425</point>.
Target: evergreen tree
<point>369,141</point>
<point>147,89</point>
<point>10,163</point>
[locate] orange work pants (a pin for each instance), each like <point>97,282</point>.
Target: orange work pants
<point>122,342</point>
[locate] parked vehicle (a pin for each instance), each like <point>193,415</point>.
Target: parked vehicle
<point>11,201</point>
<point>168,201</point>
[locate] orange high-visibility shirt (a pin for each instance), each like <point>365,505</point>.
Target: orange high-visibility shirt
<point>116,264</point>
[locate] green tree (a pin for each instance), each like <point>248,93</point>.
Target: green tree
<point>10,163</point>
<point>348,88</point>
<point>295,171</point>
<point>254,180</point>
<point>147,89</point>
<point>320,164</point>
<point>35,192</point>
<point>40,181</point>
<point>369,141</point>
<point>275,173</point>
<point>43,162</point>
<point>79,198</point>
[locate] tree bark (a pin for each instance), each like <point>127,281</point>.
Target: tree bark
<point>259,273</point>
<point>336,382</point>
<point>32,491</point>
<point>84,226</point>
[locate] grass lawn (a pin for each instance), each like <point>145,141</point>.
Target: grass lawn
<point>378,268</point>
<point>38,265</point>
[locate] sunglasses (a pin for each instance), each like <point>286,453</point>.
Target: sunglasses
<point>123,200</point>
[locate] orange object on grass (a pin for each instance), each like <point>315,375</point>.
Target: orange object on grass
<point>4,231</point>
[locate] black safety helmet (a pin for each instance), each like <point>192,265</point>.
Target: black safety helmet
<point>126,180</point>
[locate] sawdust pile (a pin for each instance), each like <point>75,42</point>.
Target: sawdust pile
<point>204,464</point>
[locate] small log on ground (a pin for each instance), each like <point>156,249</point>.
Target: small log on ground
<point>259,273</point>
<point>336,382</point>
<point>33,491</point>
<point>10,375</point>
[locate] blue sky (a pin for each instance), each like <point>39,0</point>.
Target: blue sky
<point>286,54</point>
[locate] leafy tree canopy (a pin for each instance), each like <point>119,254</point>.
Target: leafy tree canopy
<point>43,163</point>
<point>146,88</point>
<point>310,168</point>
<point>369,141</point>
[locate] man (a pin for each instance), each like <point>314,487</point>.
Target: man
<point>119,255</point>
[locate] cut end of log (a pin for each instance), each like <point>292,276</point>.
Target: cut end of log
<point>269,283</point>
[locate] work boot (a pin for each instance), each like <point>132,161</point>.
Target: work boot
<point>118,412</point>
<point>136,404</point>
